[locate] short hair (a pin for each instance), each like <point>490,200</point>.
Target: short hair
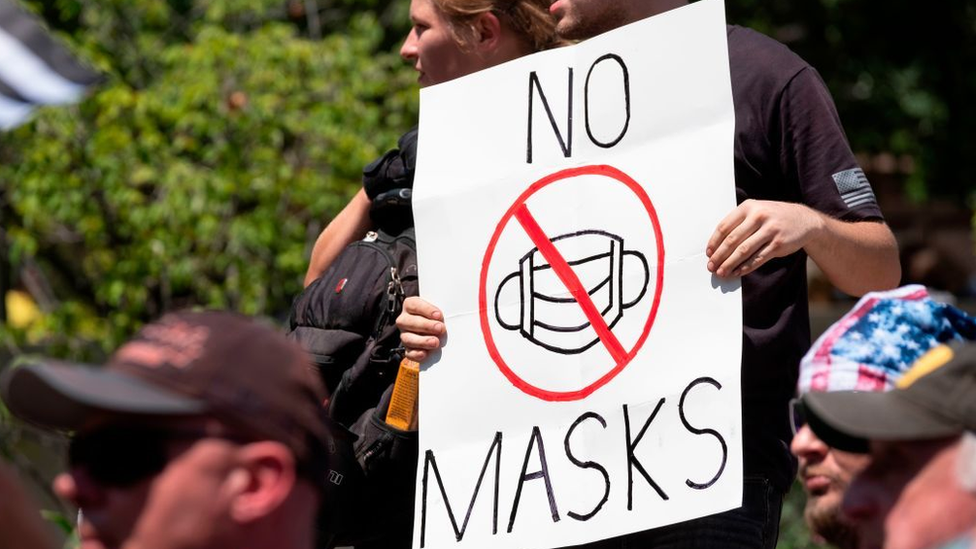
<point>529,18</point>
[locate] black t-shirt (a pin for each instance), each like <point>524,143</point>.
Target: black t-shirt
<point>789,147</point>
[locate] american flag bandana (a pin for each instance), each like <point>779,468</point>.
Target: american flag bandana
<point>871,346</point>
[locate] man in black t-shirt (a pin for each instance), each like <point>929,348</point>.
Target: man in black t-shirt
<point>800,193</point>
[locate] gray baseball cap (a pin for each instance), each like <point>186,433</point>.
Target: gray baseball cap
<point>935,398</point>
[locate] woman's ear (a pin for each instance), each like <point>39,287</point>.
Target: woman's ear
<point>488,31</point>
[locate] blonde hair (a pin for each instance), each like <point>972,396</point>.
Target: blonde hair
<point>528,18</point>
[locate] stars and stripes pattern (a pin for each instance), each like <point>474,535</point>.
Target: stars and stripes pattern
<point>854,188</point>
<point>879,339</point>
<point>34,69</point>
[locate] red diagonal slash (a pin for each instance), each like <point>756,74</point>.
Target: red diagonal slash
<point>571,281</point>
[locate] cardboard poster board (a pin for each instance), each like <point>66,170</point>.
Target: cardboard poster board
<point>589,384</point>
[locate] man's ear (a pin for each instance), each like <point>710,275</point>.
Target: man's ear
<point>263,479</point>
<point>488,32</point>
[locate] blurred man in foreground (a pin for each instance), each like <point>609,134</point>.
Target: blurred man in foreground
<point>910,495</point>
<point>868,349</point>
<point>203,431</point>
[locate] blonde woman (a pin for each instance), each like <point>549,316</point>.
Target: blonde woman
<point>449,39</point>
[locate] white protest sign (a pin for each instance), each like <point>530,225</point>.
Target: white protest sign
<point>589,385</point>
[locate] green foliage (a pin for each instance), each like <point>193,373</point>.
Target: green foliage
<point>224,137</point>
<point>793,531</point>
<point>199,173</point>
<point>901,75</point>
<point>35,457</point>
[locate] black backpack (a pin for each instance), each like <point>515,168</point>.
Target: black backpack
<point>346,321</point>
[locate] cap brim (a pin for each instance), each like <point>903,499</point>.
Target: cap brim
<point>64,396</point>
<point>847,420</point>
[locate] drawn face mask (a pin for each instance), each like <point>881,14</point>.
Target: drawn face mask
<point>548,315</point>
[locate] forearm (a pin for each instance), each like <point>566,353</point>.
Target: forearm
<point>347,227</point>
<point>857,257</point>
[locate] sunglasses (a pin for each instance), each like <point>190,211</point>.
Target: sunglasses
<point>798,416</point>
<point>123,456</point>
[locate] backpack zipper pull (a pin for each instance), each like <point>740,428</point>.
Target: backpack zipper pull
<point>371,236</point>
<point>394,292</point>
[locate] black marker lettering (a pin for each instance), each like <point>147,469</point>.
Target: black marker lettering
<point>712,432</point>
<point>431,462</point>
<point>586,100</point>
<point>565,144</point>
<point>543,474</point>
<point>588,465</point>
<point>632,462</point>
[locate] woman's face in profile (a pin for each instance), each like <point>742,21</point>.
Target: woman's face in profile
<point>432,49</point>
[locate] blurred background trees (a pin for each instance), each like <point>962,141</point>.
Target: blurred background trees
<point>199,173</point>
<point>901,75</point>
<point>228,132</point>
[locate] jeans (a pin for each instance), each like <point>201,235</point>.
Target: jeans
<point>755,525</point>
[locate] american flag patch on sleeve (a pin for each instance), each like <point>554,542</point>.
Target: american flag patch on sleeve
<point>854,188</point>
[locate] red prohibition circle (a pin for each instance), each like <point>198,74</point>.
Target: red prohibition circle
<point>521,384</point>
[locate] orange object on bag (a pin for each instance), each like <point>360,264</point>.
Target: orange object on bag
<point>406,394</point>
